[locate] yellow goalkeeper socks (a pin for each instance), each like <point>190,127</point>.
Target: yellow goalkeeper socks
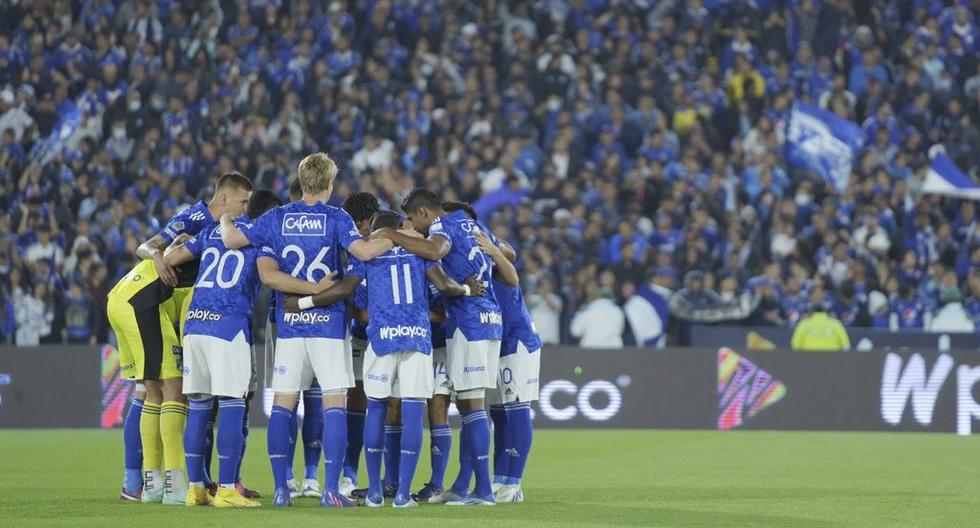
<point>173,417</point>
<point>150,436</point>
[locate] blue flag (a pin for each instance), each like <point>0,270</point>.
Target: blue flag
<point>819,141</point>
<point>945,178</point>
<point>46,149</point>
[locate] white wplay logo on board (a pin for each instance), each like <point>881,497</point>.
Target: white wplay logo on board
<point>916,383</point>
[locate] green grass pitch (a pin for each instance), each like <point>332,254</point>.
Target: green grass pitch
<point>575,478</point>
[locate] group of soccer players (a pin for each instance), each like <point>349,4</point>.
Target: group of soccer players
<point>378,320</point>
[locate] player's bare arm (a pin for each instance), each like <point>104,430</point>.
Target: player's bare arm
<point>153,249</point>
<point>505,269</point>
<point>507,249</point>
<point>173,256</point>
<point>471,287</point>
<point>177,255</point>
<point>359,315</point>
<point>434,248</point>
<point>273,277</point>
<point>336,292</point>
<point>437,315</point>
<point>366,250</point>
<point>231,236</point>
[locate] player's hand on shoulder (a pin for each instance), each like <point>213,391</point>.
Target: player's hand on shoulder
<point>477,287</point>
<point>290,303</point>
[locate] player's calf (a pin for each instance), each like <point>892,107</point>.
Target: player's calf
<point>153,483</point>
<point>132,488</point>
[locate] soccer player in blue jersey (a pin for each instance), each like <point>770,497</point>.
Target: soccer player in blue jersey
<point>306,238</point>
<point>517,382</point>
<point>440,434</point>
<point>361,206</point>
<point>474,344</point>
<point>312,404</point>
<point>398,360</point>
<point>520,363</point>
<point>217,352</point>
<point>145,309</point>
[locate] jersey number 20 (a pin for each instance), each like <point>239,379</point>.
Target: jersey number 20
<point>219,261</point>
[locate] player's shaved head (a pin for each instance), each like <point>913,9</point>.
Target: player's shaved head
<point>233,180</point>
<point>386,219</point>
<point>317,173</point>
<point>452,207</point>
<point>361,206</point>
<point>295,190</point>
<point>260,202</point>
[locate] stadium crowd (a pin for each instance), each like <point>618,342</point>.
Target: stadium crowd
<point>626,148</point>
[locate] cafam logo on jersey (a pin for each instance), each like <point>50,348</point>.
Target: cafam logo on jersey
<point>304,224</point>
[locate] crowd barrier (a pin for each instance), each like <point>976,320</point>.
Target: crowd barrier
<point>677,388</point>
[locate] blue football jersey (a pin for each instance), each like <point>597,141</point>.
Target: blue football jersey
<point>271,315</point>
<point>911,314</point>
<point>397,301</point>
<point>518,326</point>
<point>477,317</point>
<point>438,329</point>
<point>191,221</point>
<point>359,299</point>
<point>226,286</point>
<point>307,241</point>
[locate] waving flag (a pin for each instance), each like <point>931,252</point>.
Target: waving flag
<point>820,141</point>
<point>46,149</point>
<point>944,177</point>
